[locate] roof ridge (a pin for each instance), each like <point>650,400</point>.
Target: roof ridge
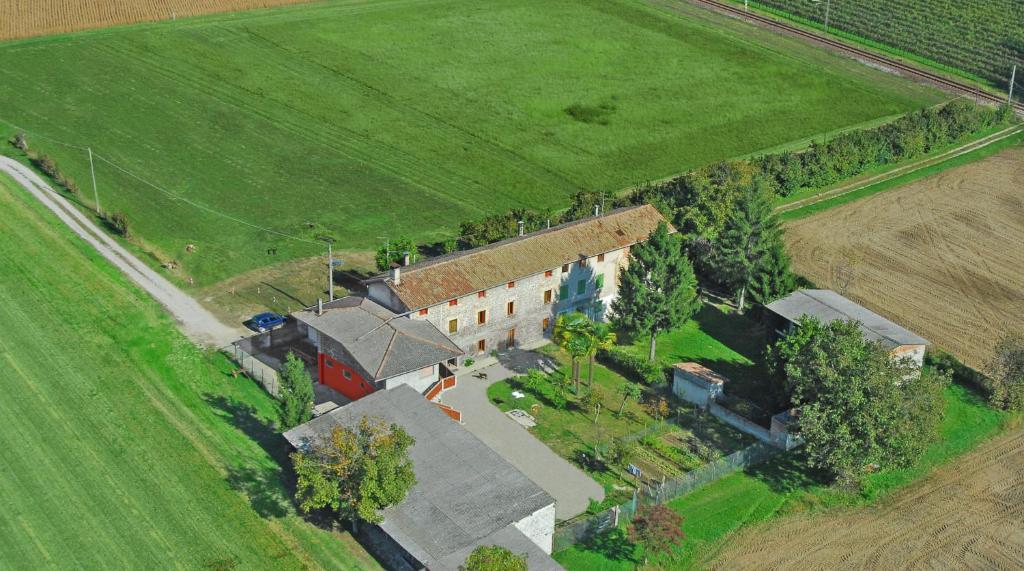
<point>386,354</point>
<point>439,260</point>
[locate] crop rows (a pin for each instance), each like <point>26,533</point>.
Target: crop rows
<point>26,18</point>
<point>983,39</point>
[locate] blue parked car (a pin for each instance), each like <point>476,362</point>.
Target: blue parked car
<point>266,321</point>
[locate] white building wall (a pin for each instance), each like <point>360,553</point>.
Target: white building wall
<point>419,379</point>
<point>528,294</point>
<point>539,527</point>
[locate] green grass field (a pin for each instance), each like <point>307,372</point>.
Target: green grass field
<point>124,446</point>
<point>714,512</point>
<point>373,119</point>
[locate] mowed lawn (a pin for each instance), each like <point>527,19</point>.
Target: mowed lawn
<point>373,119</point>
<point>123,446</point>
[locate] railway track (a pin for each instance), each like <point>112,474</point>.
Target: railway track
<point>905,69</point>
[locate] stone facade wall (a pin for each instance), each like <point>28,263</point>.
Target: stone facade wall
<point>530,308</point>
<point>539,527</point>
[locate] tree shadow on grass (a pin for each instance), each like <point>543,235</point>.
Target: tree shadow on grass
<point>788,472</point>
<point>613,545</point>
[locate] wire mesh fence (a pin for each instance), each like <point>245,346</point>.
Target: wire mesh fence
<point>581,530</point>
<point>256,369</point>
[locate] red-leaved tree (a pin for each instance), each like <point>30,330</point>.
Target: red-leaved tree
<point>657,528</point>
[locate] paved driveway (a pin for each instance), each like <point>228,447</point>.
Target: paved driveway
<point>571,488</point>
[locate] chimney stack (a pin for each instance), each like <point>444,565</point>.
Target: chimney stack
<point>597,210</point>
<point>522,227</point>
<point>405,258</point>
<point>319,306</point>
<point>396,273</point>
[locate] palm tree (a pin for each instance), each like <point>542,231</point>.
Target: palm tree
<point>571,333</point>
<point>601,337</point>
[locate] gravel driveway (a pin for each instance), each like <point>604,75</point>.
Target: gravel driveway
<point>571,488</point>
<point>196,322</point>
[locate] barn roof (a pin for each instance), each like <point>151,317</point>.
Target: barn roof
<point>462,273</point>
<point>827,306</point>
<point>465,494</point>
<point>382,343</point>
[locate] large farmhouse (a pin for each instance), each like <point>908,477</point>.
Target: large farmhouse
<point>508,294</point>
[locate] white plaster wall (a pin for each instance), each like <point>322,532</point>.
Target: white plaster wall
<point>539,527</point>
<point>414,379</point>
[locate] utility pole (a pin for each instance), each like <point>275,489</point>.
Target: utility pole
<point>828,7</point>
<point>96,195</point>
<point>746,5</point>
<point>330,271</point>
<point>1013,80</point>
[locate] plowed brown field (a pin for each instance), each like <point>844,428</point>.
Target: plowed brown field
<point>968,515</point>
<point>942,256</point>
<point>27,18</point>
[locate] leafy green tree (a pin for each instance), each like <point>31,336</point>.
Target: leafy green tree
<point>750,245</point>
<point>621,452</point>
<point>571,333</point>
<point>599,337</point>
<point>774,278</point>
<point>295,393</point>
<point>533,381</point>
<point>657,290</point>
<point>858,405</point>
<point>1005,372</point>
<point>357,473</point>
<point>629,391</point>
<point>494,558</point>
<point>394,252</point>
<point>657,528</point>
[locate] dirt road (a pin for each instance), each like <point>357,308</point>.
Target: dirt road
<point>968,515</point>
<point>196,322</point>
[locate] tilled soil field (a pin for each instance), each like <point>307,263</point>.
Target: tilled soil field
<point>943,256</point>
<point>26,18</point>
<point>968,515</point>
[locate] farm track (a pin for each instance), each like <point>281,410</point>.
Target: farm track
<point>967,515</point>
<point>864,55</point>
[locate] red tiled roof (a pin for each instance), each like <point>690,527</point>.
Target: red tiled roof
<point>447,277</point>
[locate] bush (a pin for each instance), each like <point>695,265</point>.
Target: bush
<point>19,142</point>
<point>118,222</point>
<point>632,366</point>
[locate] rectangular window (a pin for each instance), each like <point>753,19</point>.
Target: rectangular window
<point>511,308</point>
<point>346,374</point>
<point>453,302</point>
<point>453,326</point>
<point>424,311</point>
<point>583,263</point>
<point>600,257</point>
<point>481,317</point>
<point>481,346</point>
<point>480,294</point>
<point>565,268</point>
<point>548,294</point>
<point>545,324</point>
<point>563,291</point>
<point>581,287</point>
<point>599,281</point>
<point>511,285</point>
<point>328,363</point>
<point>549,273</point>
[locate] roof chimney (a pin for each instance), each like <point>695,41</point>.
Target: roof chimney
<point>319,306</point>
<point>396,273</point>
<point>597,210</point>
<point>405,258</point>
<point>522,227</point>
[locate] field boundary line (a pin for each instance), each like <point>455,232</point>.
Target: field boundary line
<point>196,322</point>
<point>902,171</point>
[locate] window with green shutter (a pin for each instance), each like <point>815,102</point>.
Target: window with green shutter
<point>581,287</point>
<point>599,282</point>
<point>563,292</point>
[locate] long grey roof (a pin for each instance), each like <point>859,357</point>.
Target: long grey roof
<point>827,306</point>
<point>382,343</point>
<point>465,494</point>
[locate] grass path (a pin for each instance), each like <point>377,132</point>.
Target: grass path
<point>124,445</point>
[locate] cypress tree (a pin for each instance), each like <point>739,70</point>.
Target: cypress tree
<point>657,290</point>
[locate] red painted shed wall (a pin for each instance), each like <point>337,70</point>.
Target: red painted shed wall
<point>331,372</point>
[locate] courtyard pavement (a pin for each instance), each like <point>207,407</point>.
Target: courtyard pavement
<point>570,486</point>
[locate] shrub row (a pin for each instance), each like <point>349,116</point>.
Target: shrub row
<point>632,366</point>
